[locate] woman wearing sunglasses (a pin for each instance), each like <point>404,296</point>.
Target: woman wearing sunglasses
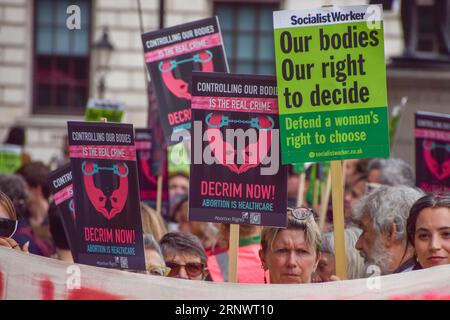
<point>291,255</point>
<point>184,255</point>
<point>8,224</point>
<point>428,229</point>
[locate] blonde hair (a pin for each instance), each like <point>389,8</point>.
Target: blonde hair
<point>6,202</point>
<point>309,226</point>
<point>152,222</point>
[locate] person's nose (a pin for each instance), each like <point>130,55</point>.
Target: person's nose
<point>435,244</point>
<point>291,260</point>
<point>182,273</point>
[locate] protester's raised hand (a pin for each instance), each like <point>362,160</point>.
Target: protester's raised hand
<point>9,243</point>
<point>12,244</point>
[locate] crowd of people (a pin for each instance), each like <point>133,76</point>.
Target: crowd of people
<point>389,223</point>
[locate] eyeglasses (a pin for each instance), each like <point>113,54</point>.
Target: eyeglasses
<point>158,270</point>
<point>301,213</point>
<point>7,227</point>
<point>193,269</point>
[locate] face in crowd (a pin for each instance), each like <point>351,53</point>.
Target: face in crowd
<point>382,215</point>
<point>155,263</point>
<point>291,255</point>
<point>432,240</point>
<point>185,266</point>
<point>429,230</point>
<point>178,184</point>
<point>354,190</point>
<point>325,268</point>
<point>8,223</point>
<point>185,256</point>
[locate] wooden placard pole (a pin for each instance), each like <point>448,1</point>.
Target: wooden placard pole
<point>326,191</point>
<point>159,194</point>
<point>338,218</point>
<point>233,249</point>
<point>344,172</point>
<point>316,185</point>
<point>301,189</point>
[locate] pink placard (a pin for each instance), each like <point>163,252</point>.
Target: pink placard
<point>433,134</point>
<point>236,104</point>
<point>63,194</point>
<point>107,152</point>
<point>184,47</point>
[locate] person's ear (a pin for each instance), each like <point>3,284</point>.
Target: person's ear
<point>263,260</point>
<point>391,235</point>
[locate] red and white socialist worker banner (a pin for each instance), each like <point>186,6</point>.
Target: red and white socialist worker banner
<point>27,276</point>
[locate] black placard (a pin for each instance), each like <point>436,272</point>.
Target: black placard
<point>171,55</point>
<point>106,193</point>
<point>61,188</point>
<point>432,151</point>
<point>236,172</point>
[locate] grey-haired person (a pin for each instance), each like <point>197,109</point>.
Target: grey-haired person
<point>391,172</point>
<point>326,270</point>
<point>382,215</point>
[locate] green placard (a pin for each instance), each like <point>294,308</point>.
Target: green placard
<point>298,168</point>
<point>178,159</point>
<point>10,158</point>
<point>331,78</point>
<point>97,109</point>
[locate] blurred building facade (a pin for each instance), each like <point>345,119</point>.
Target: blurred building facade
<point>47,72</point>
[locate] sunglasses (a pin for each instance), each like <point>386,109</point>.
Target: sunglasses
<point>7,227</point>
<point>300,213</point>
<point>193,269</point>
<point>158,270</point>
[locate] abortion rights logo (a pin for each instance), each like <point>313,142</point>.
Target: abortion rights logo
<point>116,201</point>
<point>439,170</point>
<point>239,157</point>
<point>179,87</point>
